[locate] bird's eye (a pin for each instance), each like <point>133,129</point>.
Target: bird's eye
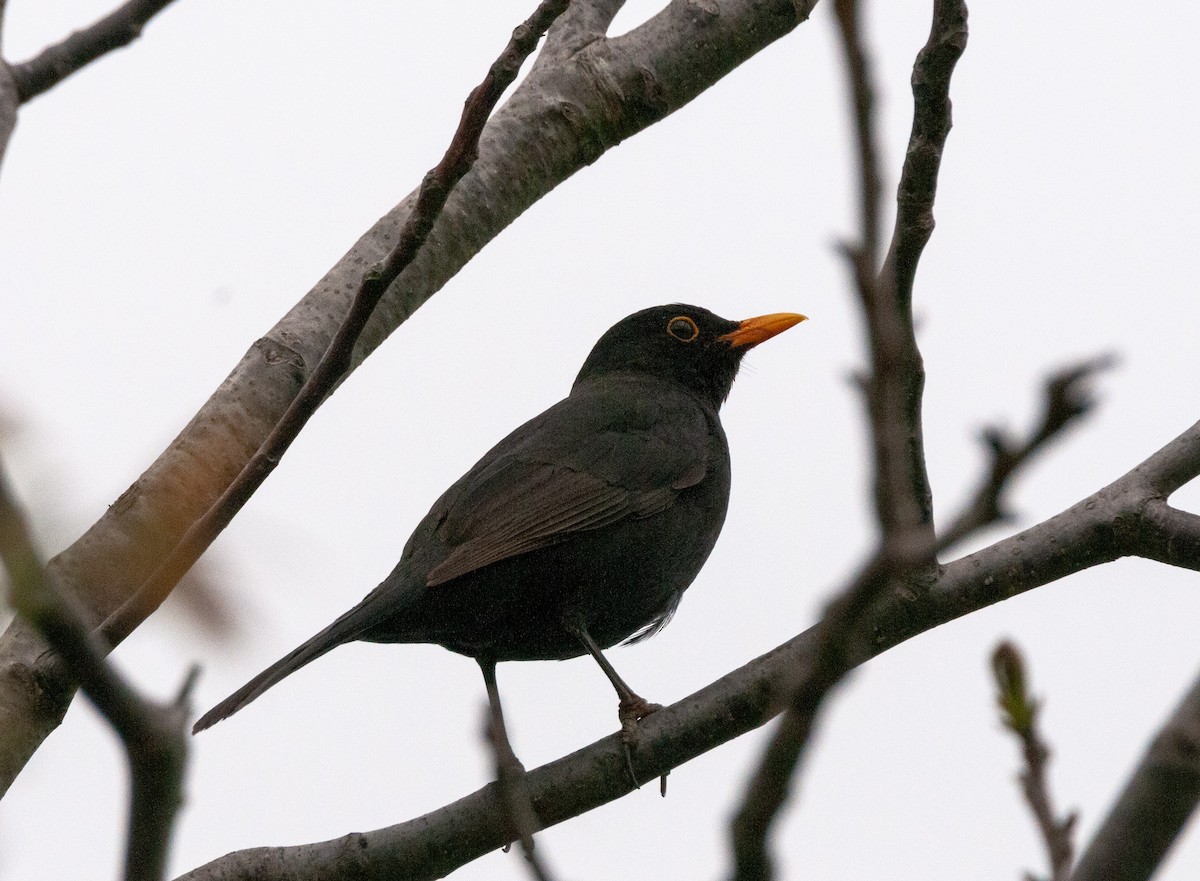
<point>683,329</point>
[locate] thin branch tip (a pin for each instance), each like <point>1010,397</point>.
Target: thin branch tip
<point>1019,714</point>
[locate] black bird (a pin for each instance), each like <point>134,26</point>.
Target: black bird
<point>579,530</point>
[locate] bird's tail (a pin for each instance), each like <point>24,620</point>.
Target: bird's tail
<point>344,629</point>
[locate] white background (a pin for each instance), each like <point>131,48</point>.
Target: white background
<point>160,210</point>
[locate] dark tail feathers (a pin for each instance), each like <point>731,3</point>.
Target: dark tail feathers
<point>344,629</point>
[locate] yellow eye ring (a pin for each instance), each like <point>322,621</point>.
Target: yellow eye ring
<point>683,329</point>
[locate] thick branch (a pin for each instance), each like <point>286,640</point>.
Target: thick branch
<point>585,21</point>
<point>1170,536</point>
<point>1100,528</point>
<point>1152,810</point>
<point>55,63</point>
<point>561,119</point>
<point>154,736</point>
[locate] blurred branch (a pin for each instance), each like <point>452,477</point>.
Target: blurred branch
<point>864,255</point>
<point>833,655</point>
<point>893,392</point>
<point>1019,713</point>
<point>510,779</point>
<point>1066,399</point>
<point>335,364</point>
<point>10,100</point>
<point>203,606</point>
<point>55,63</point>
<point>154,736</point>
<point>1155,805</point>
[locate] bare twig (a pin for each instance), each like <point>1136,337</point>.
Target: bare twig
<point>898,378</point>
<point>153,734</point>
<point>1066,399</point>
<point>1155,805</point>
<point>55,63</point>
<point>435,188</point>
<point>1019,713</point>
<point>931,126</point>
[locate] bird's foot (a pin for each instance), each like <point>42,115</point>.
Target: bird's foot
<point>630,711</point>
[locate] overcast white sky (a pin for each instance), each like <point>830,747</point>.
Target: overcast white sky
<point>161,210</point>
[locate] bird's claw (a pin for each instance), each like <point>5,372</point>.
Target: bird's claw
<point>630,712</point>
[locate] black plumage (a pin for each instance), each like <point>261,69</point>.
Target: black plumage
<point>580,529</point>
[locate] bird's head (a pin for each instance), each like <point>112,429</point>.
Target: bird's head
<point>685,344</point>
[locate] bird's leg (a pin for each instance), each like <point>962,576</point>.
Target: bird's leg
<point>633,707</point>
<point>510,773</point>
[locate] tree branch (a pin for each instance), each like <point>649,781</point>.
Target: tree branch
<point>1019,713</point>
<point>55,63</point>
<point>1098,529</point>
<point>1170,536</point>
<point>561,119</point>
<point>515,803</point>
<point>1152,810</point>
<point>154,736</point>
<point>1067,398</point>
<point>336,362</point>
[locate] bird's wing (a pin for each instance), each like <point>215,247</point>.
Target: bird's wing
<point>573,471</point>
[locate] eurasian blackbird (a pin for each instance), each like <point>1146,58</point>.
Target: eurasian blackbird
<point>579,530</point>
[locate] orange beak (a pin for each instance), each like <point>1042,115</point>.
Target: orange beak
<point>753,331</point>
